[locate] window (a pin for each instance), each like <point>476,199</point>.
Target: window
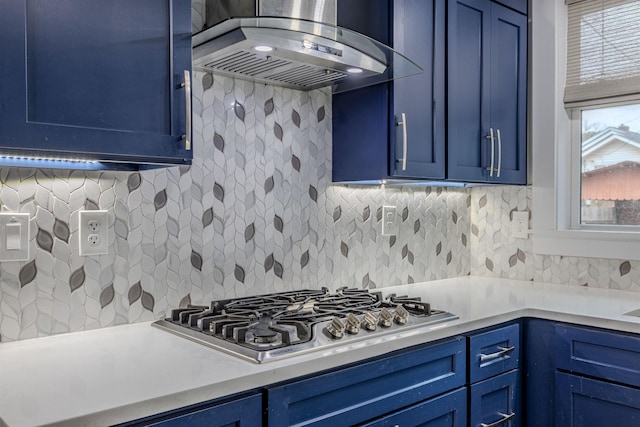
<point>603,66</point>
<point>609,145</point>
<point>582,99</point>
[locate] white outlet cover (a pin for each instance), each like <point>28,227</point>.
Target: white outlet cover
<point>520,224</point>
<point>389,226</point>
<point>90,224</point>
<point>19,223</point>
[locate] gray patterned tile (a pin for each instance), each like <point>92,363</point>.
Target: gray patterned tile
<point>76,279</point>
<point>28,273</point>
<point>255,213</point>
<point>147,300</point>
<point>106,296</point>
<point>135,292</point>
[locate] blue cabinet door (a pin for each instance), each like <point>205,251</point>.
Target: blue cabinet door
<point>486,92</point>
<point>242,412</point>
<point>508,93</point>
<point>418,120</point>
<point>448,410</point>
<point>468,119</point>
<point>368,129</point>
<point>495,401</point>
<point>585,402</point>
<point>95,80</point>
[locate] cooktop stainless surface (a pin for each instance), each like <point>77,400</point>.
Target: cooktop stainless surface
<point>274,326</point>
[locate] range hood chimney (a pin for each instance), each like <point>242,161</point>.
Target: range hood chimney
<point>294,44</point>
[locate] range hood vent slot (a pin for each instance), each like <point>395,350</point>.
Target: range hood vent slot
<point>306,76</point>
<point>258,67</point>
<point>306,54</point>
<point>246,63</point>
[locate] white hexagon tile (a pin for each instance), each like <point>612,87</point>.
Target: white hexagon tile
<point>255,213</point>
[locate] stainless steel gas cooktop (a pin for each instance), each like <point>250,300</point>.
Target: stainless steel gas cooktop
<point>273,326</point>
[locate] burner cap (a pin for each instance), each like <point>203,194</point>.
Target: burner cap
<point>264,336</point>
<point>261,331</point>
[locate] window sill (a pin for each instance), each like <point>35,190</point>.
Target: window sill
<point>588,243</point>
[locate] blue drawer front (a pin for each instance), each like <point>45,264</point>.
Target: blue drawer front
<point>583,402</point>
<point>357,394</point>
<point>494,352</point>
<point>448,410</point>
<point>246,412</point>
<point>496,399</point>
<point>601,354</point>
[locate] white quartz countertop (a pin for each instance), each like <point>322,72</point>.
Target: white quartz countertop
<point>117,374</point>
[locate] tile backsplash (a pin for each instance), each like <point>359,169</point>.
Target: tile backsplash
<point>495,254</point>
<point>255,213</point>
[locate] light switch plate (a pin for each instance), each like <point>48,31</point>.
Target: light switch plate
<point>14,234</point>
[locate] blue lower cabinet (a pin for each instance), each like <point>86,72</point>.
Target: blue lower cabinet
<point>598,353</point>
<point>243,412</point>
<point>495,402</point>
<point>361,393</point>
<point>585,402</point>
<point>448,410</point>
<point>539,372</point>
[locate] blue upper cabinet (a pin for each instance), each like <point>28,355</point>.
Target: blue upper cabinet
<point>96,80</point>
<point>394,130</point>
<point>487,92</point>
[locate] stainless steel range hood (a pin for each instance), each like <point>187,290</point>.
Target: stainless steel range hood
<point>292,43</point>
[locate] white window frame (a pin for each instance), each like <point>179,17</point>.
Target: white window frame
<point>555,159</point>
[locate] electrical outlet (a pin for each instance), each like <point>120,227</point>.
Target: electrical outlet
<point>520,225</point>
<point>93,226</point>
<point>389,226</point>
<point>93,232</point>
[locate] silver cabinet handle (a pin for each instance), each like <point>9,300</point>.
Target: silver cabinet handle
<point>187,97</point>
<point>503,352</point>
<point>499,154</point>
<point>493,150</point>
<point>504,419</point>
<point>403,123</point>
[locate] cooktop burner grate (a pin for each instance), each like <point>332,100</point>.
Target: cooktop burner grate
<point>271,326</point>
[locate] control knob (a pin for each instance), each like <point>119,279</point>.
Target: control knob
<point>369,321</point>
<point>400,315</point>
<point>336,328</point>
<point>385,318</point>
<point>353,324</point>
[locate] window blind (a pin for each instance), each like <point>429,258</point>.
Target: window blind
<point>603,52</point>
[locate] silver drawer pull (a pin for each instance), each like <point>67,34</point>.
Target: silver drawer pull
<point>503,352</point>
<point>187,97</point>
<point>499,154</point>
<point>493,151</point>
<point>504,419</point>
<point>403,123</point>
